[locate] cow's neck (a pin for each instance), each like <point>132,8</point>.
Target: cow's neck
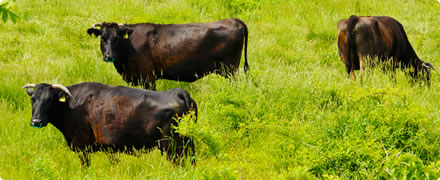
<point>413,59</point>
<point>55,115</point>
<point>124,50</point>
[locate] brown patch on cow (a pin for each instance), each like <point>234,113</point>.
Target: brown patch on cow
<point>217,47</point>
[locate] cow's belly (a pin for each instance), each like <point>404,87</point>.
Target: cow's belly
<point>130,139</point>
<point>189,70</point>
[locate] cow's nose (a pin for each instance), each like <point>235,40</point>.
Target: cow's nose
<point>109,59</point>
<point>36,123</point>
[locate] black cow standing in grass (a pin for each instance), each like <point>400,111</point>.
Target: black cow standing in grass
<point>382,37</point>
<point>98,117</point>
<point>143,53</point>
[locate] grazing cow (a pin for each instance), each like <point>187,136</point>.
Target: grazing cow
<point>143,53</point>
<point>98,117</point>
<point>381,37</point>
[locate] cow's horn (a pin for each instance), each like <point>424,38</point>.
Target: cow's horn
<point>97,24</point>
<point>29,86</point>
<point>429,66</point>
<point>63,88</point>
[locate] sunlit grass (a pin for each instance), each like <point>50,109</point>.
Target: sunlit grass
<point>294,116</point>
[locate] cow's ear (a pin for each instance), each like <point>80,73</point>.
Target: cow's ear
<point>63,97</point>
<point>94,32</point>
<point>125,33</point>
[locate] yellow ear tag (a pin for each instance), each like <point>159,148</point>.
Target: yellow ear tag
<point>63,99</point>
<point>93,35</point>
<point>411,69</point>
<point>126,36</point>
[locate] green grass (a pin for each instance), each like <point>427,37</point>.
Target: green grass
<point>296,115</point>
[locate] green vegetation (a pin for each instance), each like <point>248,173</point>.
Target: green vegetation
<point>5,11</point>
<point>296,115</point>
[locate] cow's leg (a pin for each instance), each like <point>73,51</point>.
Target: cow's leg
<point>163,145</point>
<point>150,85</point>
<point>394,66</point>
<point>179,147</point>
<point>176,147</point>
<point>226,70</point>
<point>189,149</point>
<point>230,72</point>
<point>352,76</point>
<point>362,60</point>
<point>167,142</point>
<point>85,158</point>
<point>153,85</point>
<point>167,145</point>
<point>174,144</point>
<point>229,66</point>
<point>350,70</point>
<point>427,78</point>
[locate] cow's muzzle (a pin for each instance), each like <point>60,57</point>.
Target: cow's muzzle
<point>36,123</point>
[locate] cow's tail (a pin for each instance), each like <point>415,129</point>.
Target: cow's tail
<point>246,65</point>
<point>190,104</point>
<point>351,45</point>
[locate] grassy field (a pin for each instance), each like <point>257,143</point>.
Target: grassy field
<point>296,115</point>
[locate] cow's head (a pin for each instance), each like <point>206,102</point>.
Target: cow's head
<point>426,69</point>
<point>111,36</point>
<point>44,98</point>
<point>422,70</point>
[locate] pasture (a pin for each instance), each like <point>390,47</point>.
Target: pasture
<point>295,116</point>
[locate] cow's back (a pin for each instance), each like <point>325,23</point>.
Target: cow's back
<point>396,40</point>
<point>378,37</point>
<point>372,36</point>
<point>181,51</point>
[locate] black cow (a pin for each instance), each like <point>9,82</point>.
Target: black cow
<point>381,37</point>
<point>143,53</point>
<point>98,117</point>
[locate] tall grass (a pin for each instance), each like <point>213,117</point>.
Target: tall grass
<point>295,116</point>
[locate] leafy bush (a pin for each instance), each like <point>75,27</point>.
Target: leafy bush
<point>6,7</point>
<point>295,115</point>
